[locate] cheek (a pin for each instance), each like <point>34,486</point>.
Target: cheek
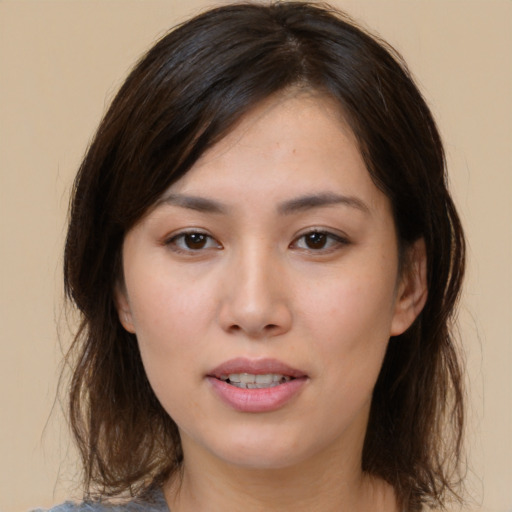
<point>167,305</point>
<point>169,317</point>
<point>350,305</point>
<point>349,321</point>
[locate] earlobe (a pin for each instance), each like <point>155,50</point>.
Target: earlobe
<point>123,308</point>
<point>412,291</point>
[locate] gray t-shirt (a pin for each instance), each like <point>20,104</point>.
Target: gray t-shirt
<point>155,502</point>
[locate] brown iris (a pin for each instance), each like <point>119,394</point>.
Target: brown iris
<point>315,240</point>
<point>195,240</point>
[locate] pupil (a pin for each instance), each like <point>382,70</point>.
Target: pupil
<point>195,240</point>
<point>316,240</point>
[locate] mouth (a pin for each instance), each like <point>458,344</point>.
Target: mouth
<point>255,373</point>
<point>256,385</point>
<point>256,381</point>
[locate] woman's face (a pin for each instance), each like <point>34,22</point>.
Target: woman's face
<point>263,289</point>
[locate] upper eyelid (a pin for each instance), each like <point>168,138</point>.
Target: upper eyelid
<point>340,235</point>
<point>187,231</point>
<point>336,242</point>
<point>334,234</point>
<point>171,238</point>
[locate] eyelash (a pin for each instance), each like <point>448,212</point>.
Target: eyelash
<point>179,244</point>
<point>174,242</point>
<point>332,240</point>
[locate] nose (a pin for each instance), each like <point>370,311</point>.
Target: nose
<point>255,298</point>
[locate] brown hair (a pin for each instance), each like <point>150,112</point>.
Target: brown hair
<point>182,97</point>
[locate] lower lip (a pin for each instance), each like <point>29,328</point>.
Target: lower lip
<point>257,400</point>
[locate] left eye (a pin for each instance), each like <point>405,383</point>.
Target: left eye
<point>193,241</point>
<point>318,241</point>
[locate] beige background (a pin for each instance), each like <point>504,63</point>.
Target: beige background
<point>61,62</point>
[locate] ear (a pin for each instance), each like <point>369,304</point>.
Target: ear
<point>412,289</point>
<point>123,308</point>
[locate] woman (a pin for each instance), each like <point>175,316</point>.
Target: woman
<point>266,260</point>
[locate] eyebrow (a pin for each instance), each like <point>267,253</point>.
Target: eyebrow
<point>200,204</point>
<point>298,204</point>
<point>321,200</point>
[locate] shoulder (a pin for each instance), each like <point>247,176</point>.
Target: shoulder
<point>77,507</point>
<point>155,503</point>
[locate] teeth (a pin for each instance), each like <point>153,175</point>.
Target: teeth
<point>250,381</point>
<point>265,379</point>
<point>247,378</point>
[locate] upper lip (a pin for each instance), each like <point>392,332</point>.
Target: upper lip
<point>255,367</point>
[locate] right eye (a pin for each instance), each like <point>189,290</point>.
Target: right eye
<point>192,241</point>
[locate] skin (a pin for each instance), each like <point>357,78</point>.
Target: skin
<point>256,286</point>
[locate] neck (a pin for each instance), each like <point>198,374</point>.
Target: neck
<point>311,486</point>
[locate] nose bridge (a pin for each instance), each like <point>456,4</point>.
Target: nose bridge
<point>255,300</point>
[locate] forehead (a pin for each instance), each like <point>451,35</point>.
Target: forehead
<point>296,109</point>
<point>293,142</point>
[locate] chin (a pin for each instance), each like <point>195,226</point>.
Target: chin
<point>259,452</point>
<point>256,460</point>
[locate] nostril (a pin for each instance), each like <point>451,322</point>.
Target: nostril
<point>267,330</point>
